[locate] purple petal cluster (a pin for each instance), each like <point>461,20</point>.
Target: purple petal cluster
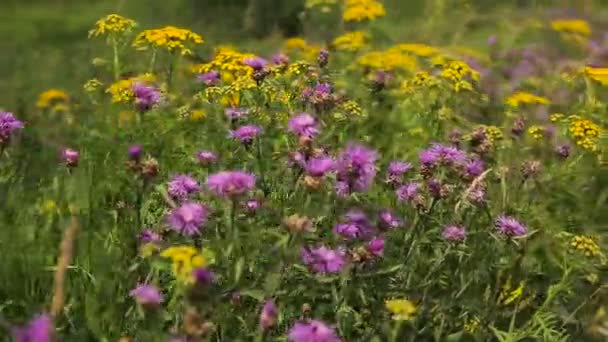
<point>376,246</point>
<point>408,192</point>
<point>269,315</point>
<point>396,170</point>
<point>149,236</point>
<point>234,113</point>
<point>509,226</point>
<point>473,168</point>
<point>70,157</point>
<point>442,154</point>
<point>303,125</point>
<point>147,295</point>
<point>319,166</point>
<point>312,331</point>
<point>356,169</point>
<point>255,63</point>
<point>39,329</point>
<point>454,233</point>
<point>355,225</point>
<point>135,152</point>
<point>8,125</point>
<point>388,220</point>
<point>182,186</point>
<point>145,97</point>
<point>280,59</point>
<point>210,78</point>
<point>323,260</point>
<point>206,158</point>
<point>246,133</point>
<point>230,183</point>
<point>188,218</point>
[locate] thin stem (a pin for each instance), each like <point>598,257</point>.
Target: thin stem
<point>116,63</point>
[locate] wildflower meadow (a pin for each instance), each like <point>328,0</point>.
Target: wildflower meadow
<point>371,176</point>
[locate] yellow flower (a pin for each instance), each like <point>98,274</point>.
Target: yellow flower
<point>197,115</point>
<point>457,70</point>
<point>325,5</point>
<point>556,117</point>
<point>51,97</point>
<point>577,26</point>
<point>170,38</point>
<point>148,249</point>
<point>522,97</point>
<point>186,259</point>
<point>112,24</point>
<point>472,325</point>
<point>388,60</point>
<point>92,85</point>
<point>584,132</point>
<point>508,294</point>
<point>537,132</point>
<point>402,309</point>
<point>597,74</point>
<point>122,91</point>
<point>361,10</point>
<point>420,50</point>
<point>296,43</point>
<point>228,62</point>
<point>350,41</point>
<point>586,245</point>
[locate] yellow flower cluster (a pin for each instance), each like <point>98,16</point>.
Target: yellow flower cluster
<point>308,51</point>
<point>509,294</point>
<point>525,98</point>
<point>584,132</point>
<point>576,26</point>
<point>420,50</point>
<point>392,59</point>
<point>52,97</point>
<point>472,325</point>
<point>122,90</point>
<point>350,41</point>
<point>586,245</point>
<point>112,24</point>
<point>361,10</point>
<point>92,85</point>
<point>597,74</point>
<point>228,62</point>
<point>537,132</point>
<point>556,117</point>
<point>170,38</point>
<point>402,309</point>
<point>457,70</point>
<point>186,259</point>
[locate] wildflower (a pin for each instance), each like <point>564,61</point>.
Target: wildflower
<point>304,125</point>
<point>409,193</point>
<point>585,133</point>
<point>472,325</point>
<point>149,236</point>
<point>149,168</point>
<point>234,113</point>
<point>381,79</point>
<point>454,233</point>
<point>537,132</point>
<point>269,315</point>
<point>170,38</point>
<point>350,41</point>
<point>319,166</point>
<point>112,24</point>
<point>519,126</point>
<point>206,158</point>
<point>297,223</point>
<point>210,78</point>
<point>376,246</point>
<point>420,50</point>
<point>320,96</point>
<point>586,245</point>
<point>230,183</point>
<point>355,168</point>
<point>280,59</point>
<point>388,220</point>
<point>530,168</point>
<point>477,195</point>
<point>145,97</point>
<point>556,117</point>
<point>323,58</point>
<point>519,98</point>
<point>252,205</point>
<point>563,151</point>
<point>246,133</point>
<point>402,309</point>
<point>362,10</point>
<point>312,330</point>
<point>147,295</point>
<point>39,329</point>
<point>392,59</point>
<point>180,187</point>
<point>576,26</point>
<point>51,97</point>
<point>8,125</point>
<point>185,259</point>
<point>437,189</point>
<point>509,226</point>
<point>92,85</point>
<point>203,276</point>
<point>256,63</point>
<point>473,168</point>
<point>188,218</point>
<point>135,152</point>
<point>70,157</point>
<point>396,170</point>
<point>356,225</point>
<point>323,260</point>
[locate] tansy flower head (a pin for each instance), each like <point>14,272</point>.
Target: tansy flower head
<point>402,309</point>
<point>112,24</point>
<point>361,10</point>
<point>586,245</point>
<point>350,41</point>
<point>51,97</point>
<point>185,260</point>
<point>519,98</point>
<point>170,38</point>
<point>577,26</point>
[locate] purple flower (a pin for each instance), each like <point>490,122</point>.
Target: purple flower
<point>356,225</point>
<point>147,295</point>
<point>203,276</point>
<point>252,205</point>
<point>381,79</point>
<point>234,113</point>
<point>320,95</point>
<point>297,159</point>
<point>145,97</point>
<point>206,158</point>
<point>477,195</point>
<point>408,192</point>
<point>149,236</point>
<point>38,329</point>
<point>396,170</point>
<point>180,187</point>
<point>70,157</point>
<point>8,125</point>
<point>428,158</point>
<point>563,151</point>
<point>135,152</point>
<point>304,125</point>
<point>319,166</point>
<point>323,260</point>
<point>246,133</point>
<point>436,188</point>
<point>188,218</point>
<point>269,314</point>
<point>454,233</point>
<point>230,183</point>
<point>492,40</point>
<point>474,168</point>
<point>280,59</point>
<point>388,220</point>
<point>376,246</point>
<point>356,168</point>
<point>323,58</point>
<point>210,78</point>
<point>312,331</point>
<point>509,226</point>
<point>255,63</point>
<point>439,153</point>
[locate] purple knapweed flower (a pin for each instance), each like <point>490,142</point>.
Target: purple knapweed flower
<point>269,315</point>
<point>297,159</point>
<point>188,218</point>
<point>70,157</point>
<point>39,329</point>
<point>563,151</point>
<point>8,125</point>
<point>408,192</point>
<point>396,170</point>
<point>147,295</point>
<point>509,226</point>
<point>355,225</point>
<point>319,166</point>
<point>450,155</point>
<point>252,205</point>
<point>234,113</point>
<point>453,233</point>
<point>255,63</point>
<point>230,183</point>
<point>428,158</point>
<point>473,168</point>
<point>210,78</point>
<point>376,246</point>
<point>203,276</point>
<point>246,133</point>
<point>436,188</point>
<point>280,59</point>
<point>312,331</point>
<point>323,260</point>
<point>356,168</point>
<point>303,125</point>
<point>388,220</point>
<point>477,195</point>
<point>180,187</point>
<point>323,58</point>
<point>135,152</point>
<point>492,40</point>
<point>149,236</point>
<point>206,158</point>
<point>145,97</point>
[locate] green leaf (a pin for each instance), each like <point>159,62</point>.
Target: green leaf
<point>238,269</point>
<point>272,282</point>
<point>256,294</point>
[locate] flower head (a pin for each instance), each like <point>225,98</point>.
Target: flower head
<point>269,314</point>
<point>304,125</point>
<point>323,260</point>
<point>563,151</point>
<point>206,158</point>
<point>210,78</point>
<point>408,192</point>
<point>145,97</point>
<point>149,236</point>
<point>402,309</point>
<point>252,205</point>
<point>70,157</point>
<point>246,133</point>
<point>135,152</point>
<point>319,166</point>
<point>255,63</point>
<point>355,225</point>
<point>312,331</point>
<point>473,168</point>
<point>180,187</point>
<point>8,125</point>
<point>280,59</point>
<point>509,226</point>
<point>376,246</point>
<point>147,295</point>
<point>230,183</point>
<point>234,113</point>
<point>323,58</point>
<point>388,220</point>
<point>356,168</point>
<point>396,170</point>
<point>188,218</point>
<point>453,233</point>
<point>38,329</point>
<point>203,276</point>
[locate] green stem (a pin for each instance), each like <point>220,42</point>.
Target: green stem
<point>116,62</point>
